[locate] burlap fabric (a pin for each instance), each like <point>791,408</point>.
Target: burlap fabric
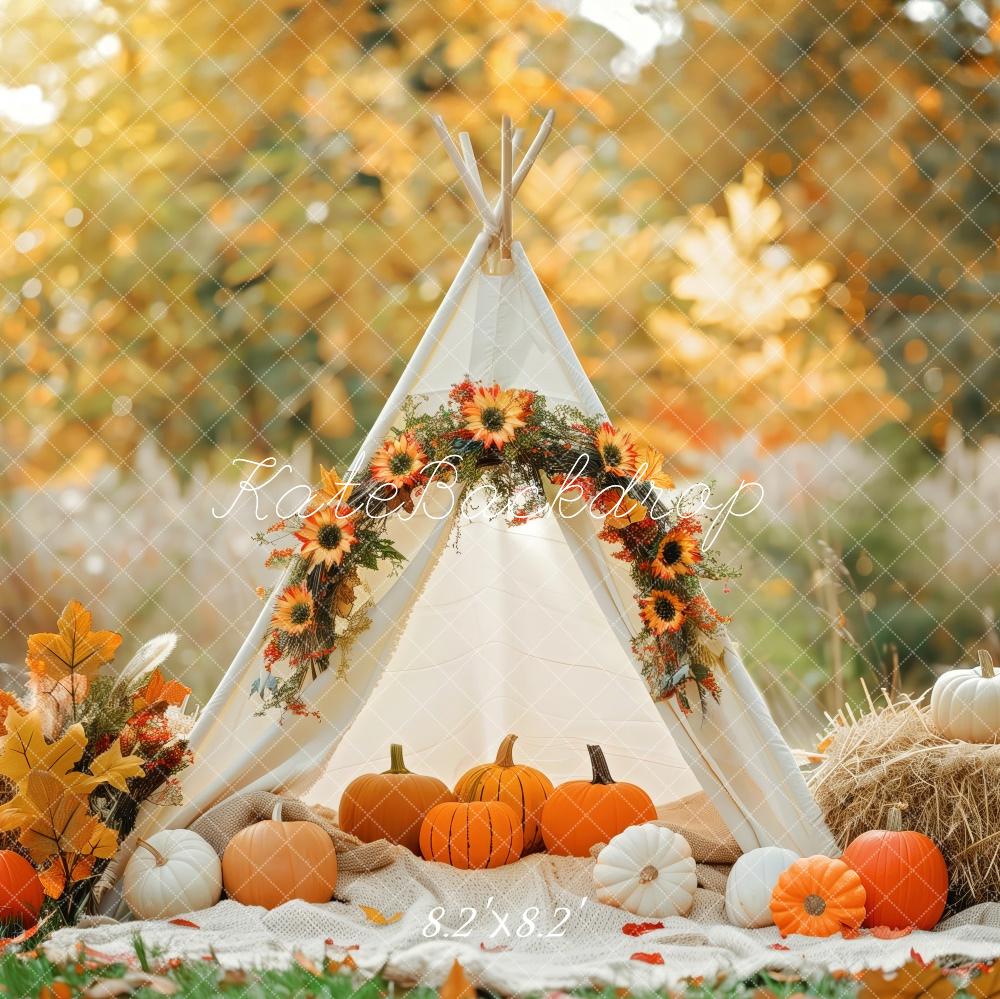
<point>529,927</point>
<point>220,824</point>
<point>700,824</point>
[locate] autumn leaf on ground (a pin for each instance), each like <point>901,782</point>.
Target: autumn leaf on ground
<point>457,984</point>
<point>638,929</point>
<point>888,933</point>
<point>114,769</point>
<point>75,649</point>
<point>184,922</point>
<point>157,689</point>
<point>374,916</point>
<point>908,982</point>
<point>22,937</point>
<point>345,963</point>
<point>306,964</point>
<point>647,958</point>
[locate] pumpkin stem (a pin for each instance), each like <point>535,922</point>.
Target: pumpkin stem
<point>157,856</point>
<point>276,813</point>
<point>602,775</point>
<point>814,905</point>
<point>986,665</point>
<point>894,823</point>
<point>505,754</point>
<point>396,764</point>
<point>647,874</point>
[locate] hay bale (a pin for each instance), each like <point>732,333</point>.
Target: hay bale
<point>951,791</point>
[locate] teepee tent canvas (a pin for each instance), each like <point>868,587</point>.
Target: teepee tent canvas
<point>498,629</point>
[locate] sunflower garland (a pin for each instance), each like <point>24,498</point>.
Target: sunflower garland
<point>515,437</point>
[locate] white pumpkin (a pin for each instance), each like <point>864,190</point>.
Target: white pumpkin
<point>750,883</point>
<point>174,871</point>
<point>647,870</point>
<point>965,703</point>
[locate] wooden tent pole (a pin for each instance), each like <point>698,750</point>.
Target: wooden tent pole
<point>506,195</point>
<point>475,190</point>
<point>470,160</point>
<point>525,165</point>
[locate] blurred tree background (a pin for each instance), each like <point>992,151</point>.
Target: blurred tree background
<point>770,231</point>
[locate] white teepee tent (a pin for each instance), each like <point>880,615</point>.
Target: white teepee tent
<point>522,629</point>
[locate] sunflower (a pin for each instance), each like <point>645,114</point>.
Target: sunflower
<point>294,611</point>
<point>492,415</point>
<point>617,450</point>
<point>399,461</point>
<point>649,463</point>
<point>327,536</point>
<point>662,611</point>
<point>677,554</point>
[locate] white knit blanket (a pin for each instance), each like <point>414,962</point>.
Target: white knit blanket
<point>531,926</point>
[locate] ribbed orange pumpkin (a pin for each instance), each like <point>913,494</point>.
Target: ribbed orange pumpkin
<point>904,874</point>
<point>273,862</point>
<point>524,788</point>
<point>471,835</point>
<point>390,805</point>
<point>21,894</point>
<point>581,813</point>
<point>818,897</point>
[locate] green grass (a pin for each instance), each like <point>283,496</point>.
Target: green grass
<point>201,979</point>
<point>30,974</point>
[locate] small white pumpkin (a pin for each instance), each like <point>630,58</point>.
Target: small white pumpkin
<point>750,883</point>
<point>174,871</point>
<point>647,870</point>
<point>965,703</point>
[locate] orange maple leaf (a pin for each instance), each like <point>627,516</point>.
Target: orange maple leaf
<point>159,689</point>
<point>457,984</point>
<point>75,650</point>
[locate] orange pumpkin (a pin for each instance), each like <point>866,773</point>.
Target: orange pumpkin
<point>818,897</point>
<point>525,789</point>
<point>580,814</point>
<point>471,835</point>
<point>273,862</point>
<point>904,874</point>
<point>390,805</point>
<point>21,894</point>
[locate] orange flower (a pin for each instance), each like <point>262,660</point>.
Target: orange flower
<point>333,491</point>
<point>617,450</point>
<point>649,464</point>
<point>327,536</point>
<point>493,415</point>
<point>662,611</point>
<point>399,461</point>
<point>620,510</point>
<point>294,611</point>
<point>676,555</point>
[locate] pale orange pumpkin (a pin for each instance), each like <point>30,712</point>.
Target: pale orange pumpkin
<point>904,874</point>
<point>273,862</point>
<point>580,813</point>
<point>817,897</point>
<point>390,805</point>
<point>523,788</point>
<point>471,835</point>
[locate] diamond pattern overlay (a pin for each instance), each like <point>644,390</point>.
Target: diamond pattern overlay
<point>228,224</point>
